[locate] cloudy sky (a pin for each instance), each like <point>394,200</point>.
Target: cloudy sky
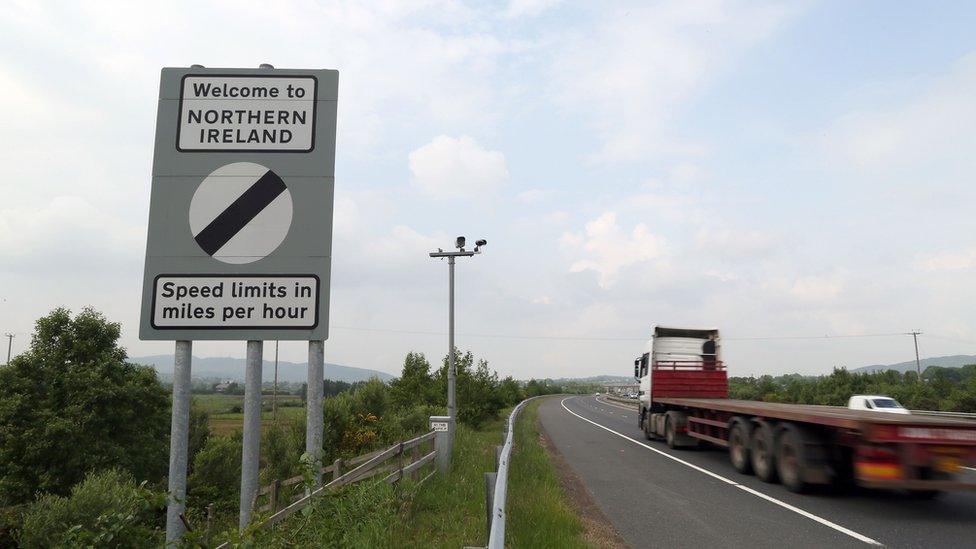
<point>774,169</point>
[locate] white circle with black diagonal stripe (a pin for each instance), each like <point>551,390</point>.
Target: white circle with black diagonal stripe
<point>240,213</point>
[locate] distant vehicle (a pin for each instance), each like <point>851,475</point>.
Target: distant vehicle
<point>877,403</point>
<point>684,399</point>
<point>598,393</point>
<point>632,395</point>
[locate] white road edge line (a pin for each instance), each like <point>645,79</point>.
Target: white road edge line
<point>970,468</point>
<point>783,504</point>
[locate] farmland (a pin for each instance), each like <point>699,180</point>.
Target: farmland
<point>227,411</point>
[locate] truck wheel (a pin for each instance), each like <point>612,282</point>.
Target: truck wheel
<point>669,434</point>
<point>762,454</point>
<point>790,459</point>
<point>739,435</point>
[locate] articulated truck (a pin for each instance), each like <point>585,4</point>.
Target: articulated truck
<point>684,399</point>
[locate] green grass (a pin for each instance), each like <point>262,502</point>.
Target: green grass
<point>539,512</point>
<point>224,421</point>
<point>447,512</point>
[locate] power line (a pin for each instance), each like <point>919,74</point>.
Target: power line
<point>605,338</point>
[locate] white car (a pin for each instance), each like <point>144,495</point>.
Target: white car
<point>877,403</point>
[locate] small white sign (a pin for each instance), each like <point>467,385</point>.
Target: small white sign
<point>440,426</point>
<point>235,301</point>
<point>247,113</point>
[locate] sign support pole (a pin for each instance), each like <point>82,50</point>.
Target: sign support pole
<point>313,409</point>
<point>250,457</point>
<point>178,440</point>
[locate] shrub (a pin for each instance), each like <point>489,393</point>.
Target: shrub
<point>106,509</point>
<point>216,476</point>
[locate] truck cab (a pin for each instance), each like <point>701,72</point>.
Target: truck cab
<point>679,362</point>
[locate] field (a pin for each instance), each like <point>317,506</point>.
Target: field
<point>227,411</point>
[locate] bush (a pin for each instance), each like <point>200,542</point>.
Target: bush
<point>106,509</point>
<point>216,476</point>
<point>71,404</point>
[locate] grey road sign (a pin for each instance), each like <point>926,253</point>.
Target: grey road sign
<point>240,221</point>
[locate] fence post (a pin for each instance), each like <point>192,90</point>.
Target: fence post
<point>489,501</point>
<point>443,426</point>
<point>337,468</point>
<point>209,530</point>
<point>275,487</point>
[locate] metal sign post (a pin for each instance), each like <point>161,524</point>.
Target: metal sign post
<point>240,233</point>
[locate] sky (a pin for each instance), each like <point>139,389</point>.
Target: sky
<point>781,170</point>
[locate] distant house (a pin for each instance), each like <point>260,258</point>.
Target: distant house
<point>223,386</point>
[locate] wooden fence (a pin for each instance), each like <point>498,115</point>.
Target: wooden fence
<point>403,459</point>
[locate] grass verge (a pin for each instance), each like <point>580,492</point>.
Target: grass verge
<point>448,512</point>
<point>540,513</point>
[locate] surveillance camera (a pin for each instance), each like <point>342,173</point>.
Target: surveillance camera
<point>481,242</point>
<point>460,242</point>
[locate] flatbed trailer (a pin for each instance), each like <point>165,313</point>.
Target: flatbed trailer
<point>686,403</point>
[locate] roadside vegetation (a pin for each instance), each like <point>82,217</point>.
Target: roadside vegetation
<point>946,389</point>
<point>84,444</point>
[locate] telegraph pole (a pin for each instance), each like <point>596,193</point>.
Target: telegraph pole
<point>918,363</point>
<point>10,342</point>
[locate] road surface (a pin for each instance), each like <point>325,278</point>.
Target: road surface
<point>694,498</point>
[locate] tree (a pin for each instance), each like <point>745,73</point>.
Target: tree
<point>415,384</point>
<point>72,404</point>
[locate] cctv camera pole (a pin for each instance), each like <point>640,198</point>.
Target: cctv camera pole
<point>451,373</point>
<point>451,402</point>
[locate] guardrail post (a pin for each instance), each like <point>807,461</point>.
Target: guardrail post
<point>443,426</point>
<point>489,501</point>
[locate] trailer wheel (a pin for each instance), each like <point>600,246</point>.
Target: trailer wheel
<point>762,454</point>
<point>790,459</point>
<point>739,435</point>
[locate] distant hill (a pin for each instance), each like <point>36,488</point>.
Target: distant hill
<point>953,361</point>
<point>596,379</point>
<point>233,368</point>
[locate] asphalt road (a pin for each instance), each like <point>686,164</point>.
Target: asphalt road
<point>660,497</point>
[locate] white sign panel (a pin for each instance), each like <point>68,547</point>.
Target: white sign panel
<point>438,426</point>
<point>235,301</point>
<point>223,113</point>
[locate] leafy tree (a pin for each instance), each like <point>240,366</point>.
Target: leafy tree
<point>72,404</point>
<point>415,384</point>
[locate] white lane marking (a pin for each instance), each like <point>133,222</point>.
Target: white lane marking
<point>970,468</point>
<point>746,489</point>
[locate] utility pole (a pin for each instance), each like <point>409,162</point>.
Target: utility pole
<point>10,342</point>
<point>451,373</point>
<point>918,363</point>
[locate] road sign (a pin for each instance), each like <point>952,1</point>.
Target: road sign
<point>440,426</point>
<point>240,221</point>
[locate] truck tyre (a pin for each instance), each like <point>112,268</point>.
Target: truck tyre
<point>646,425</point>
<point>669,432</point>
<point>791,459</point>
<point>762,452</point>
<point>740,434</point>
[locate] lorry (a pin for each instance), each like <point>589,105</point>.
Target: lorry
<point>684,400</point>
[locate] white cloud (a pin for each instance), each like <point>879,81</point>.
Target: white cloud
<point>932,129</point>
<point>608,249</point>
<point>68,234</point>
<point>449,167</point>
<point>643,63</point>
<point>533,196</point>
<point>817,288</point>
<point>956,260</point>
<point>529,8</point>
